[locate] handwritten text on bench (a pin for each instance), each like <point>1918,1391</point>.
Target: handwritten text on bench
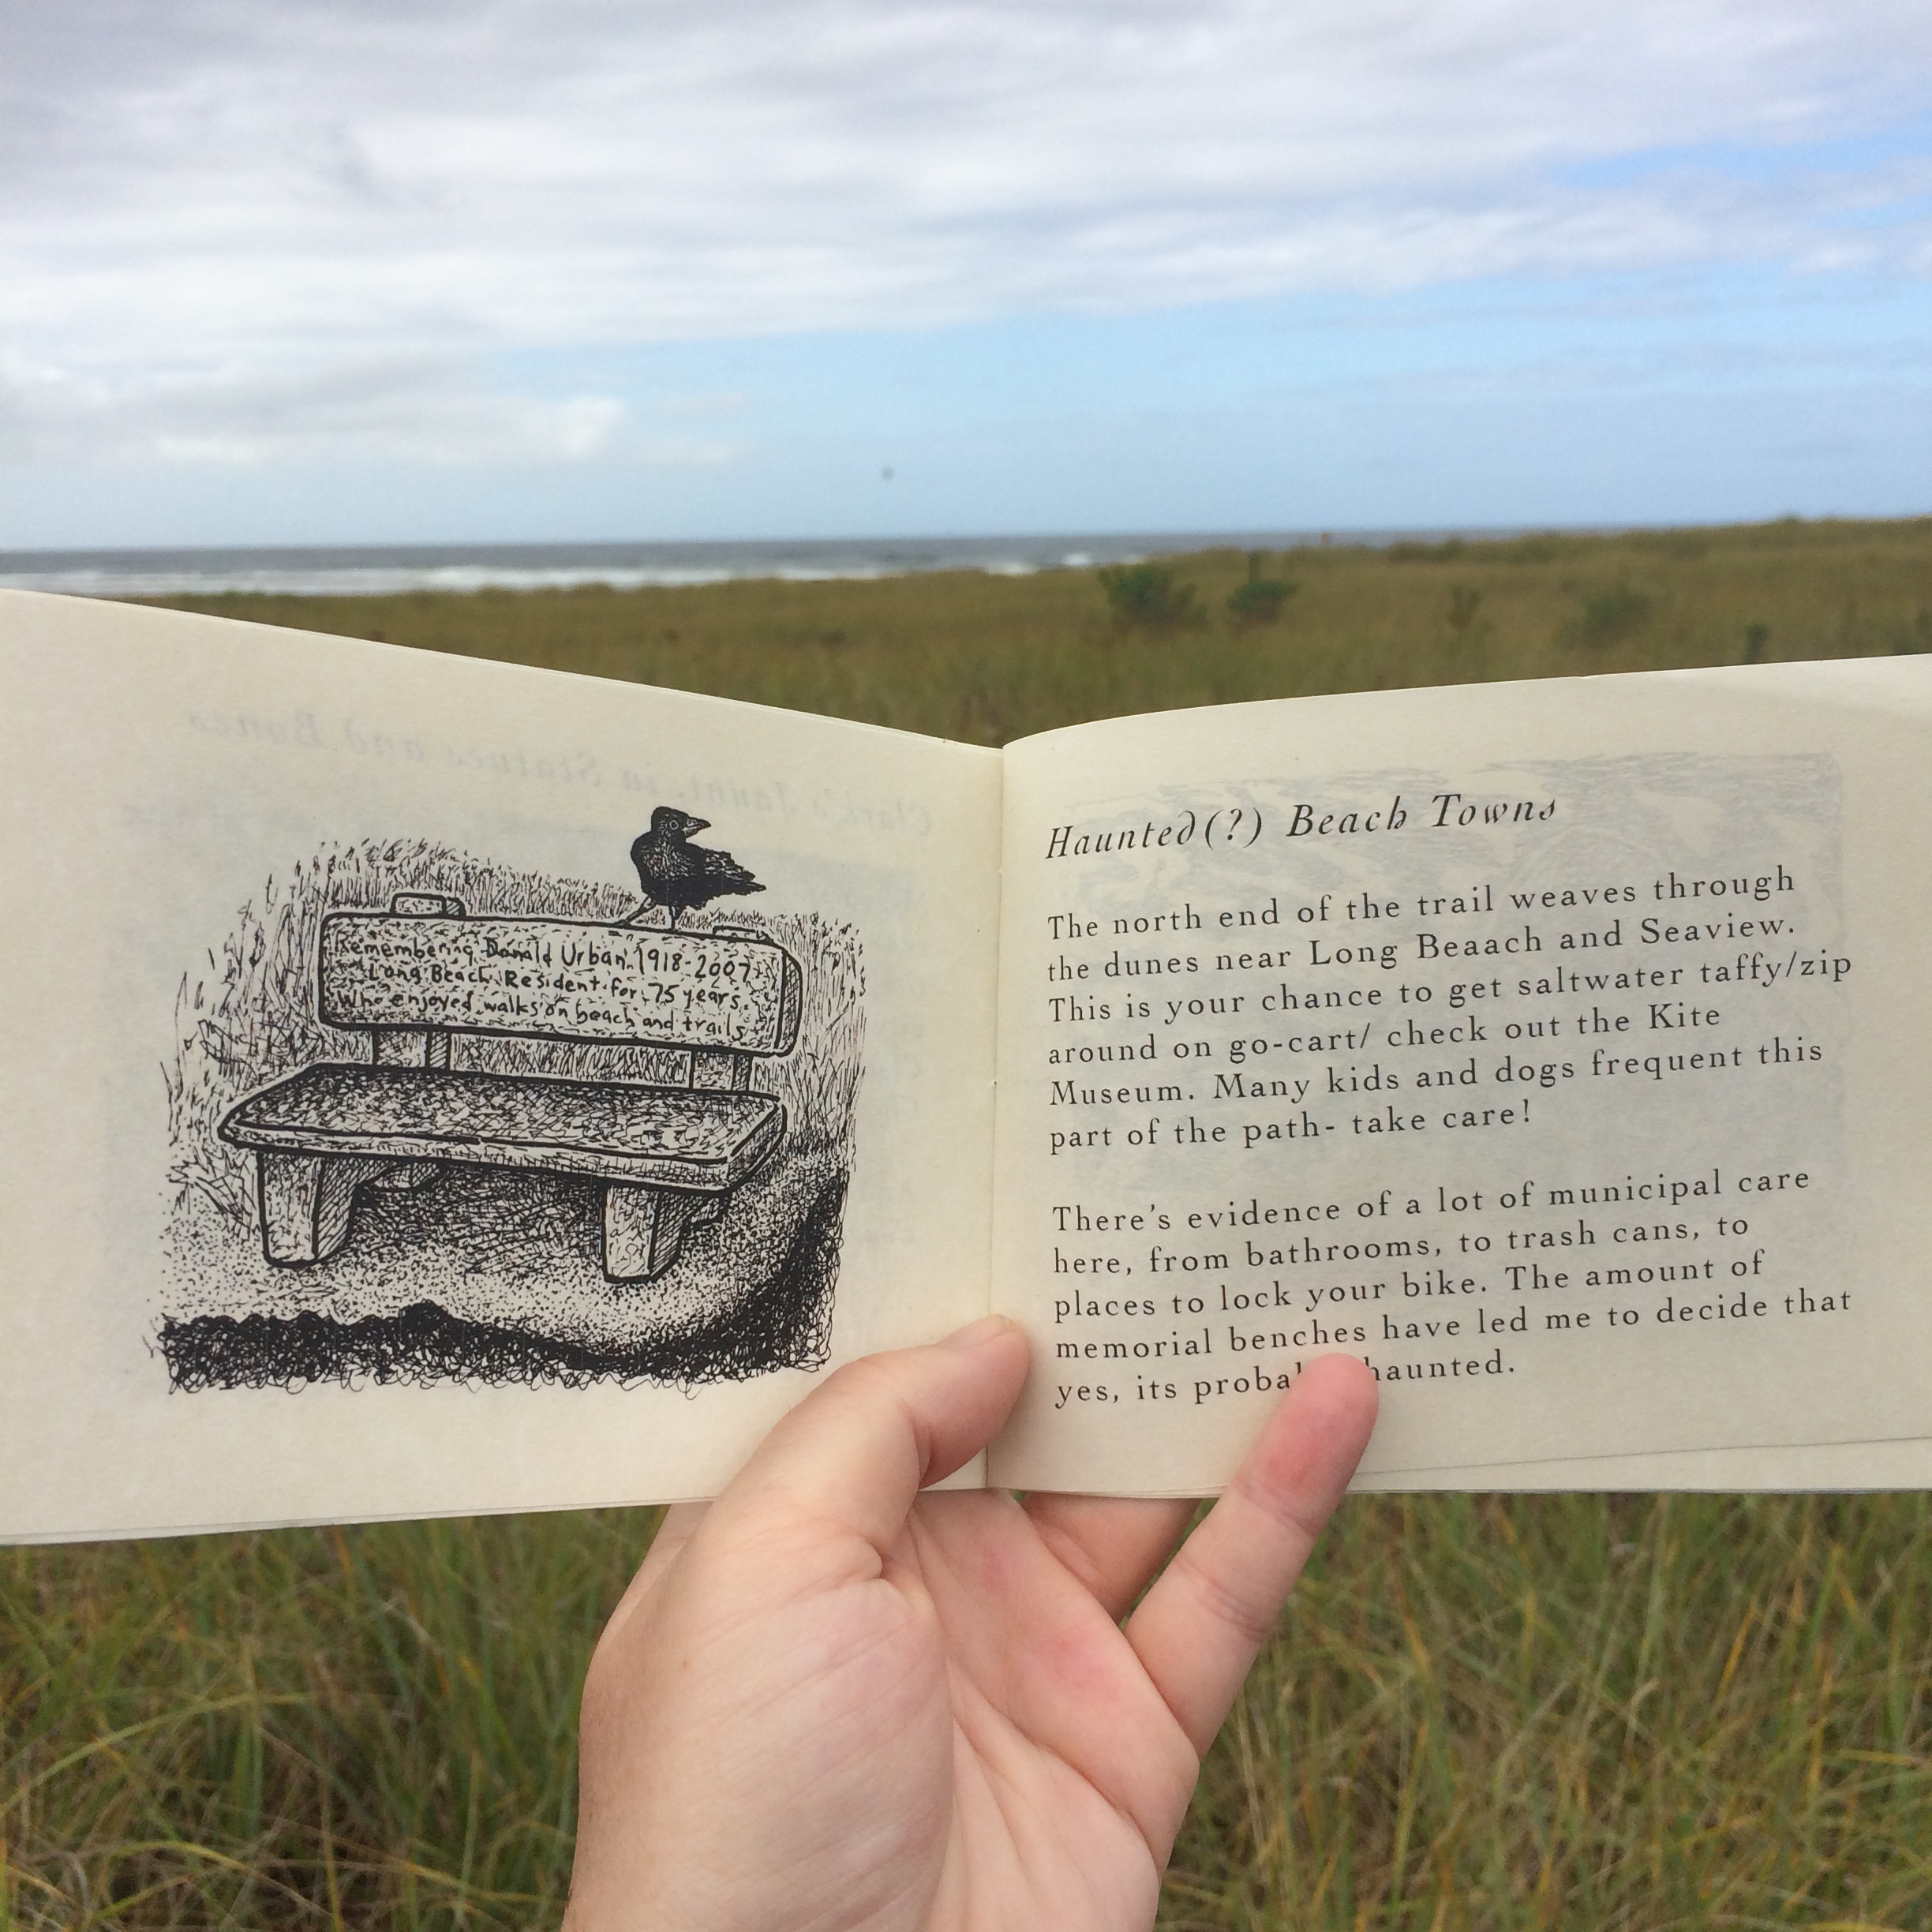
<point>591,981</point>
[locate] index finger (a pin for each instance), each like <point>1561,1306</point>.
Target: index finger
<point>675,1528</point>
<point>1111,1544</point>
<point>855,1453</point>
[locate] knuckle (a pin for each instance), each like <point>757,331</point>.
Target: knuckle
<point>1248,1614</point>
<point>1282,1506</point>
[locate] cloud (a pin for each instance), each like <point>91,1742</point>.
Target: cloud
<point>412,409</point>
<point>204,194</point>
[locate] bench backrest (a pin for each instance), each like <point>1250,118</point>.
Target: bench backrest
<point>426,967</point>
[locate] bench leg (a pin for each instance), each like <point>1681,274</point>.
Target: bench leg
<point>305,1200</point>
<point>643,1229</point>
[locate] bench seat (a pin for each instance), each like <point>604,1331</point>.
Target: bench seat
<point>701,1140</point>
<point>667,1156</point>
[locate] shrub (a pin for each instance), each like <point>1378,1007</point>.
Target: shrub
<point>1610,615</point>
<point>1150,597</point>
<point>1258,600</point>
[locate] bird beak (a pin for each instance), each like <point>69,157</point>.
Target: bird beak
<point>696,824</point>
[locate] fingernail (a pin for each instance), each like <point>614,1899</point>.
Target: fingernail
<point>976,1335</point>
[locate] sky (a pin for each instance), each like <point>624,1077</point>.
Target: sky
<point>417,270</point>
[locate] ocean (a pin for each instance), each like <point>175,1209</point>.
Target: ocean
<point>384,571</point>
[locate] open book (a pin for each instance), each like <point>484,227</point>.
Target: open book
<point>436,1086</point>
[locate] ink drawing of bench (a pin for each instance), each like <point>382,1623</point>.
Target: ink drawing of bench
<point>432,987</point>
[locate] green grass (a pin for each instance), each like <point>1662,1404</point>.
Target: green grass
<point>1576,1711</point>
<point>314,1728</point>
<point>990,658</point>
<point>1587,1711</point>
<point>1564,1711</point>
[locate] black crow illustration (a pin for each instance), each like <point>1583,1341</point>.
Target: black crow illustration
<point>677,876</point>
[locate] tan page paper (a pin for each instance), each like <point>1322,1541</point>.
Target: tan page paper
<point>1559,1049</point>
<point>186,798</point>
<point>1901,1464</point>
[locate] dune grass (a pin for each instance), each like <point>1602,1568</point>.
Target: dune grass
<point>1622,1712</point>
<point>368,1727</point>
<point>987,659</point>
<point>1587,1711</point>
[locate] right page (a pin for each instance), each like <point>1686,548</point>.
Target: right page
<point>1558,1049</point>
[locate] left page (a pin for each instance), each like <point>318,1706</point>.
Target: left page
<point>439,1087</point>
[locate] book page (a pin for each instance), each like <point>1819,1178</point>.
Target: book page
<point>1558,1049</point>
<point>439,1086</point>
<point>1901,1463</point>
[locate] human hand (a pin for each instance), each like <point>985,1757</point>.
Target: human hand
<point>827,1701</point>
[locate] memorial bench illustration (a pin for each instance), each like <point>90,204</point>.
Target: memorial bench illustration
<point>424,972</point>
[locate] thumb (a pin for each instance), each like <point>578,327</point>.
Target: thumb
<point>859,1448</point>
